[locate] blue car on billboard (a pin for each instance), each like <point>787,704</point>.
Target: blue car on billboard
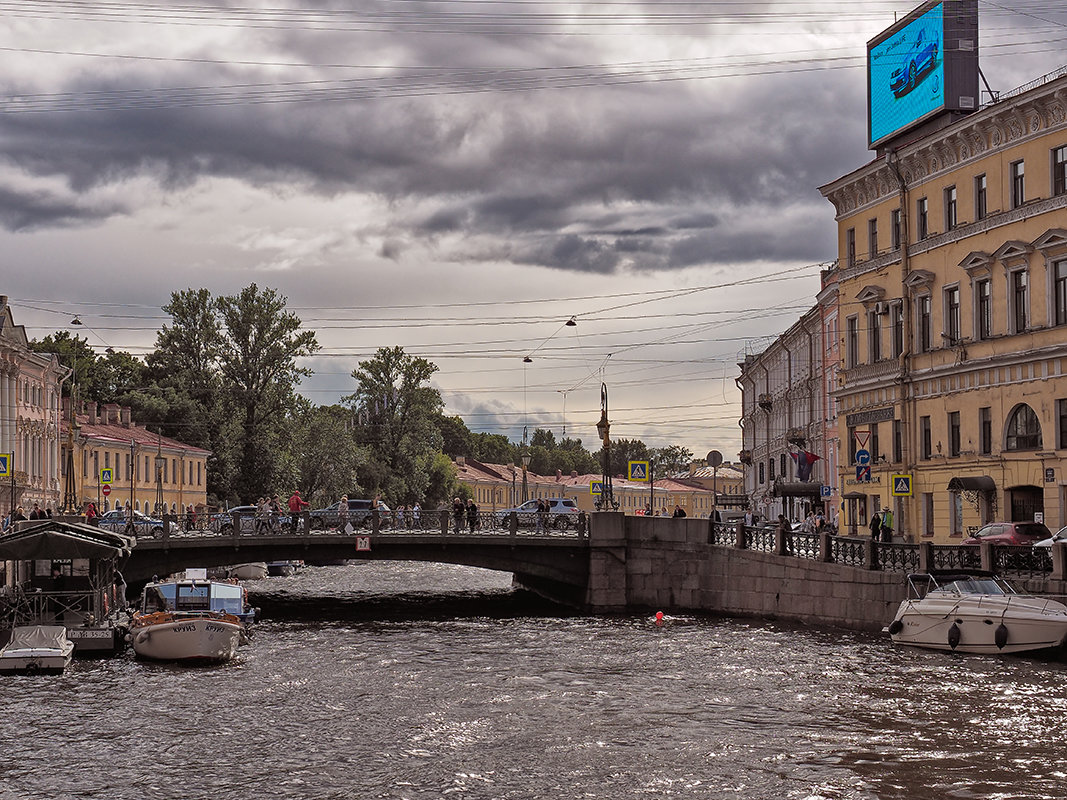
<point>919,61</point>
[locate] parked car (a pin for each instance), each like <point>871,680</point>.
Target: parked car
<point>1017,533</point>
<point>359,514</point>
<point>562,514</point>
<point>915,64</point>
<point>1058,536</point>
<point>116,520</point>
<point>223,521</point>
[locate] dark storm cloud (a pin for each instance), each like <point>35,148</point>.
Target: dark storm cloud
<point>26,211</point>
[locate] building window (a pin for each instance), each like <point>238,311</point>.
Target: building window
<point>1018,183</point>
<point>950,208</point>
<point>898,442</point>
<point>922,218</point>
<point>852,342</point>
<point>928,513</point>
<point>1059,170</point>
<point>762,478</point>
<point>872,237</point>
<point>985,431</point>
<point>850,246</point>
<point>894,228</point>
<point>874,335</point>
<point>1019,304</point>
<point>873,448</point>
<point>984,316</point>
<point>927,444</point>
<point>896,319</point>
<point>1059,292</point>
<point>980,208</point>
<point>781,465</point>
<point>1061,414</point>
<point>954,433</point>
<point>1024,429</point>
<point>770,469</point>
<point>952,314</point>
<point>923,321</point>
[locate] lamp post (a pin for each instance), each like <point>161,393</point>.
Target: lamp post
<point>525,466</point>
<point>159,473</point>
<point>603,429</point>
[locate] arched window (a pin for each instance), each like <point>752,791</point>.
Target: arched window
<point>1024,429</point>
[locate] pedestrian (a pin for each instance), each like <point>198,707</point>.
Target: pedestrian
<point>90,513</point>
<point>458,508</point>
<point>275,507</point>
<point>887,525</point>
<point>36,513</point>
<point>748,518</point>
<point>400,516</point>
<point>786,530</point>
<point>679,512</point>
<point>540,522</point>
<point>262,516</point>
<point>416,514</point>
<point>342,515</point>
<point>296,505</point>
<point>876,526</point>
<point>472,515</point>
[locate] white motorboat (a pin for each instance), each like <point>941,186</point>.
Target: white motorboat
<point>37,648</point>
<point>191,621</point>
<point>976,612</point>
<point>257,570</point>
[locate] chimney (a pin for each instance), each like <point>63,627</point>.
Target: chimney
<point>574,473</point>
<point>124,415</point>
<point>90,410</point>
<point>559,475</point>
<point>461,461</point>
<point>111,414</point>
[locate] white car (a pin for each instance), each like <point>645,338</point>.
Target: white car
<point>116,520</point>
<point>1058,536</point>
<point>562,514</point>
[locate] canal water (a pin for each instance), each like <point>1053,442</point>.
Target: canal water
<point>434,681</point>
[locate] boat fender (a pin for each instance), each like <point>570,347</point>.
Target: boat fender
<point>954,636</point>
<point>143,637</point>
<point>1000,636</point>
<point>895,627</point>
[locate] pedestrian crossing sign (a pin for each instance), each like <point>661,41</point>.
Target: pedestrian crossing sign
<point>902,485</point>
<point>106,475</point>
<point>638,470</point>
<point>596,487</point>
<point>6,460</point>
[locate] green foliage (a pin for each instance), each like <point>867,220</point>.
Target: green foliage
<point>325,457</point>
<point>74,353</point>
<point>442,482</point>
<point>494,448</point>
<point>457,440</point>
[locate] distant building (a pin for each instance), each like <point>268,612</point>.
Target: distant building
<point>29,417</point>
<point>143,465</point>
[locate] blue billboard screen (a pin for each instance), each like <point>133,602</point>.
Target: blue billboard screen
<point>906,75</point>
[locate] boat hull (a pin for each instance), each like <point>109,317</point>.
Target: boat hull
<point>987,625</point>
<point>206,639</point>
<point>46,662</point>
<point>248,572</point>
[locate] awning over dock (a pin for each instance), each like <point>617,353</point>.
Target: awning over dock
<point>52,539</point>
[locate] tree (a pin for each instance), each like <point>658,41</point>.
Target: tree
<point>326,459</point>
<point>257,358</point>
<point>399,418</point>
<point>673,458</point>
<point>187,351</point>
<point>74,353</point>
<point>494,448</point>
<point>622,452</point>
<point>543,437</point>
<point>457,439</point>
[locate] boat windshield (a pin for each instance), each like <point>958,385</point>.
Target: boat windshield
<point>972,586</point>
<point>201,597</point>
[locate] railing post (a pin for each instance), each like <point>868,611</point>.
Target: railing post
<point>236,517</point>
<point>870,553</point>
<point>375,522</point>
<point>168,520</point>
<point>826,547</point>
<point>1059,561</point>
<point>741,541</point>
<point>781,547</point>
<point>443,514</point>
<point>305,520</point>
<point>926,556</point>
<point>513,524</point>
<point>985,550</point>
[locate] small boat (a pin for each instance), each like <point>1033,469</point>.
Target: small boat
<point>976,612</point>
<point>254,571</point>
<point>37,648</point>
<point>283,569</point>
<point>191,620</point>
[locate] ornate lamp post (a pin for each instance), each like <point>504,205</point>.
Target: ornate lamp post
<point>160,461</point>
<point>603,429</point>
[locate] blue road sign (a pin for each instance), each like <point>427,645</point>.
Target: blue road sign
<point>596,487</point>
<point>825,491</point>
<point>863,458</point>
<point>863,474</point>
<point>638,470</point>
<point>5,465</point>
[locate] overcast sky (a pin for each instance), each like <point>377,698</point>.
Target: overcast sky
<point>459,178</point>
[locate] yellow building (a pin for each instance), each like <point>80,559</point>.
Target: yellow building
<point>143,465</point>
<point>953,308</point>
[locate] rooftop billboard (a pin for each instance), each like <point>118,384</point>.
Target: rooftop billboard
<point>922,66</point>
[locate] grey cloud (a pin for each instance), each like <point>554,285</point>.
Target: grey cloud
<point>26,211</point>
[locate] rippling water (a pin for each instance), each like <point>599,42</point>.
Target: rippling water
<point>426,681</point>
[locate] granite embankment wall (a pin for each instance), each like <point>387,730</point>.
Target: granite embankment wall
<point>669,565</point>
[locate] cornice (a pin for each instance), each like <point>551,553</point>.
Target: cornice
<point>1008,123</point>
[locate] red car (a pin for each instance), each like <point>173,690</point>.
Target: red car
<point>1027,533</point>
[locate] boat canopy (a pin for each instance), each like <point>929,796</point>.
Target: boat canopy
<point>195,596</point>
<point>54,539</point>
<point>38,637</point>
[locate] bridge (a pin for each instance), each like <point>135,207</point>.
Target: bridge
<point>553,560</point>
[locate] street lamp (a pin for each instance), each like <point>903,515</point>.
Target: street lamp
<point>603,429</point>
<point>160,461</point>
<point>525,466</point>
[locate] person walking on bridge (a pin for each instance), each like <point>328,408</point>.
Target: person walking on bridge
<point>472,515</point>
<point>296,505</point>
<point>457,514</point>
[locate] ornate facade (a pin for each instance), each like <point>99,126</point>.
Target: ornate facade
<point>952,289</point>
<point>29,417</point>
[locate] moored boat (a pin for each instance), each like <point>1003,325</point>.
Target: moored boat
<point>976,612</point>
<point>37,648</point>
<point>254,571</point>
<point>191,621</point>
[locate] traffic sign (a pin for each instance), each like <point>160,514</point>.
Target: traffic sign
<point>105,490</point>
<point>596,487</point>
<point>638,470</point>
<point>863,474</point>
<point>6,462</point>
<point>107,475</point>
<point>862,438</point>
<point>825,491</point>
<point>902,485</point>
<point>863,458</point>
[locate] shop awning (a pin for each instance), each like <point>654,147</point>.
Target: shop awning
<point>854,496</point>
<point>977,483</point>
<point>797,489</point>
